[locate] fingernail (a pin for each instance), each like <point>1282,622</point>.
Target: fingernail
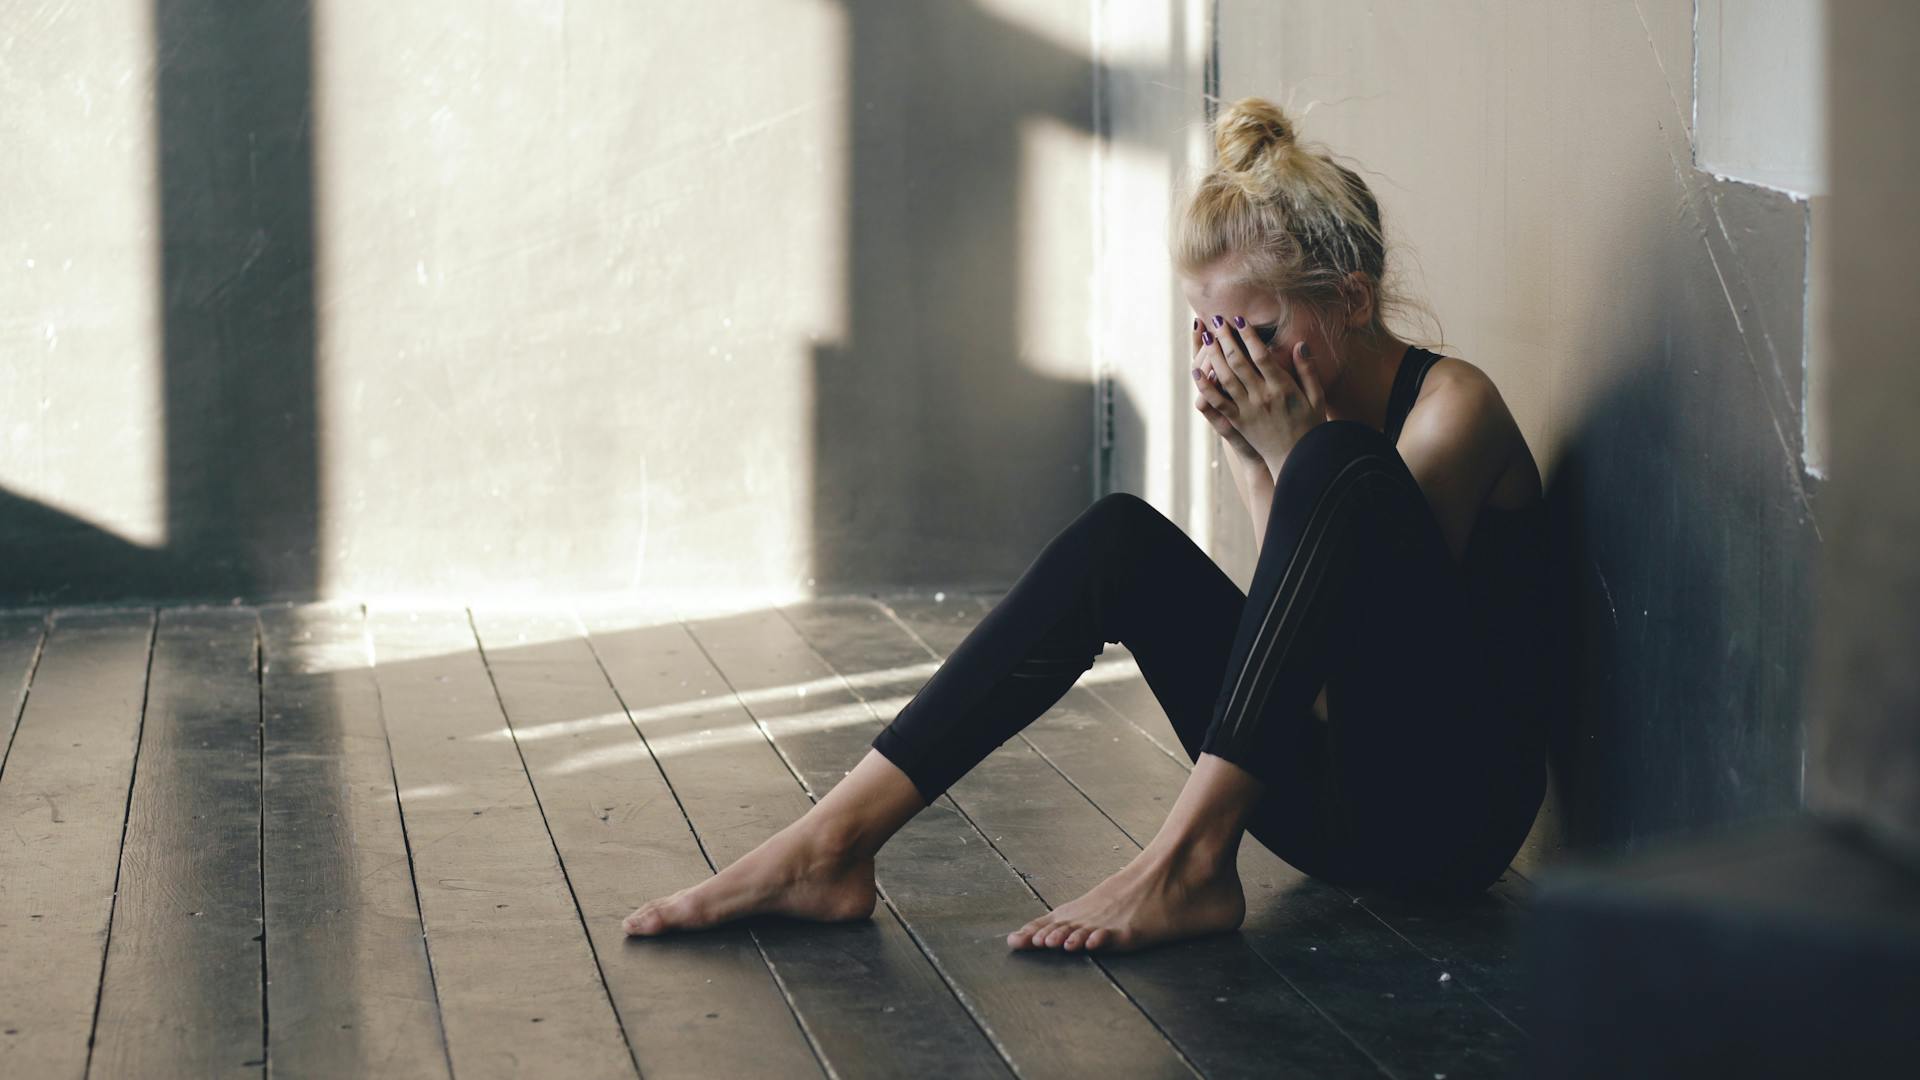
<point>1240,321</point>
<point>1196,374</point>
<point>1206,338</point>
<point>1217,320</point>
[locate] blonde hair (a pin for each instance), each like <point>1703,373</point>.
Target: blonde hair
<point>1297,221</point>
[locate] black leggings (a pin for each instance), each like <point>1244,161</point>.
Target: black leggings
<point>1406,784</point>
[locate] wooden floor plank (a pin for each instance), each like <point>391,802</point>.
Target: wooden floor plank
<point>350,991</point>
<point>63,798</point>
<point>1051,1016</point>
<point>866,993</point>
<point>520,990</point>
<point>1228,1010</point>
<point>21,635</point>
<point>1381,990</point>
<point>182,994</point>
<point>695,1005</point>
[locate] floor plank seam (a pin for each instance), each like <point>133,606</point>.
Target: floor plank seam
<point>260,744</point>
<point>539,804</point>
<point>120,858</point>
<point>26,690</point>
<point>406,840</point>
<point>893,909</point>
<point>766,961</point>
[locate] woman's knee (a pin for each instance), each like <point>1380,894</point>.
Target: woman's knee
<point>1119,520</point>
<point>1331,447</point>
<point>1343,457</point>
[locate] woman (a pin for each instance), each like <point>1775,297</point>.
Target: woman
<point>1369,710</point>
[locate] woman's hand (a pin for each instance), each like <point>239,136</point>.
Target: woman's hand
<point>1212,398</point>
<point>1270,403</point>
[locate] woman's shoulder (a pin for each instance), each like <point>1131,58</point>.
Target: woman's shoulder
<point>1459,394</point>
<point>1453,377</point>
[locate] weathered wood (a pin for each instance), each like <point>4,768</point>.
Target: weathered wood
<point>1379,988</point>
<point>182,993</point>
<point>870,999</point>
<point>1226,1009</point>
<point>349,989</point>
<point>1474,940</point>
<point>63,798</point>
<point>955,893</point>
<point>520,990</point>
<point>21,634</point>
<point>694,1005</point>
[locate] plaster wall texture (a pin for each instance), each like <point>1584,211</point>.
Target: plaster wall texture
<point>701,303</point>
<point>1644,321</point>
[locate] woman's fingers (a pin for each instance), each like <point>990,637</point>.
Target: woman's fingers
<point>1212,398</point>
<point>1249,341</point>
<point>1232,379</point>
<point>1309,384</point>
<point>1198,347</point>
<point>1234,351</point>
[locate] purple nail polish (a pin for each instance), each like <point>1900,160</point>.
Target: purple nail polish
<point>1217,321</point>
<point>1206,337</point>
<point>1240,321</point>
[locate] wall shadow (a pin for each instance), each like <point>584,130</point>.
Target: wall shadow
<point>1683,546</point>
<point>234,138</point>
<point>928,428</point>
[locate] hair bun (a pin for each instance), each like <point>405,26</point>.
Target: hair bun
<point>1248,131</point>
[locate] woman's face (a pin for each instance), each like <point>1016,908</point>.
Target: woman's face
<point>1215,292</point>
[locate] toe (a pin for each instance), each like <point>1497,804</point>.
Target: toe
<point>1055,936</point>
<point>1097,938</point>
<point>1077,938</point>
<point>644,920</point>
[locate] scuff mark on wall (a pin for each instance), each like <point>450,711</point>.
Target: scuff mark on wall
<point>1698,201</point>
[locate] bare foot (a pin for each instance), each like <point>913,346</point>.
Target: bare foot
<point>1154,899</point>
<point>794,872</point>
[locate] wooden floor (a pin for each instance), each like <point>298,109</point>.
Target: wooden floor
<point>401,843</point>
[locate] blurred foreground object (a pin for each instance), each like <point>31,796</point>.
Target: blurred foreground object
<point>1792,948</point>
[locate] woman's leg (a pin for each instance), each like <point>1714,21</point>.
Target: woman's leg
<point>1362,597</point>
<point>1355,591</point>
<point>1118,572</point>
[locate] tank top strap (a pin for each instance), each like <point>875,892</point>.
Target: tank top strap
<point>1406,387</point>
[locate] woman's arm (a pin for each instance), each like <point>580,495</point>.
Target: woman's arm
<point>1457,445</point>
<point>1255,484</point>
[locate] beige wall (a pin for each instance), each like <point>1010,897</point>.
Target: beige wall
<point>716,302</point>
